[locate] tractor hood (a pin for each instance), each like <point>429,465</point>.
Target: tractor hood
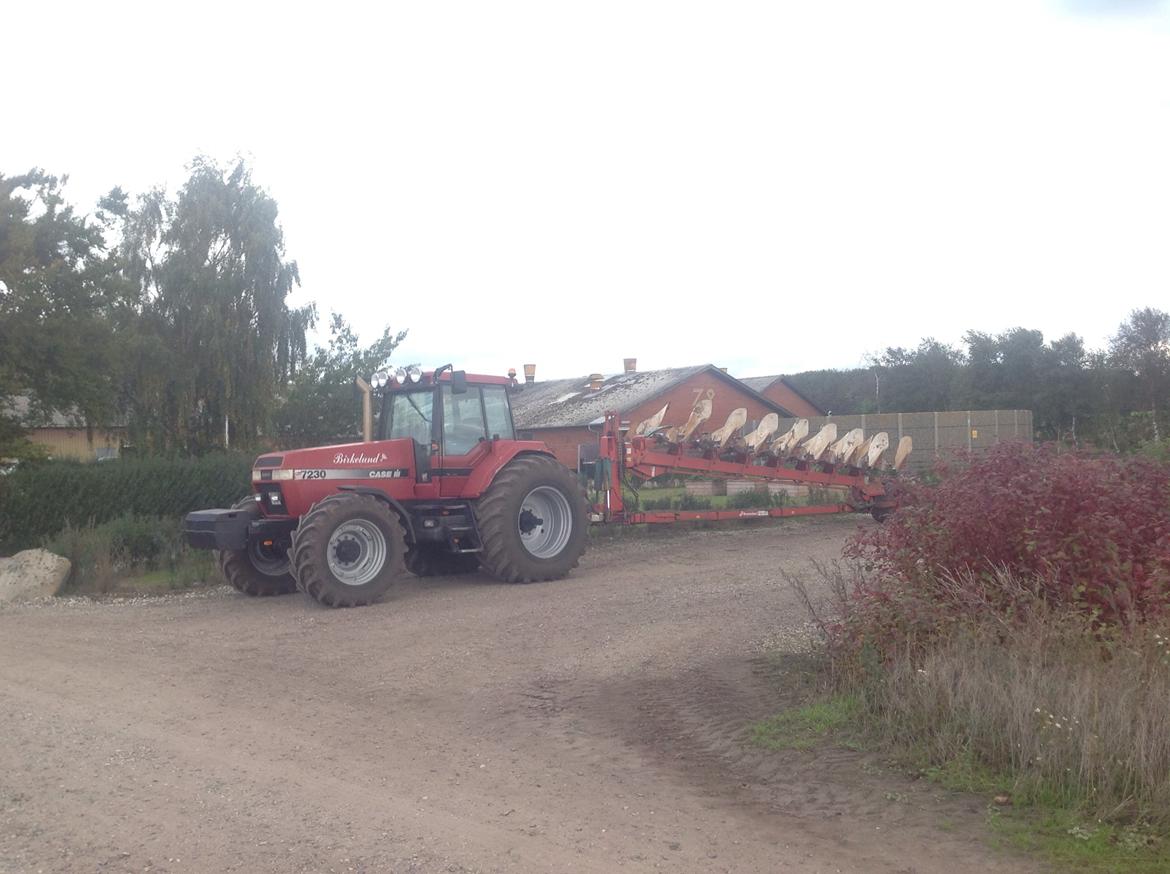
<point>383,459</point>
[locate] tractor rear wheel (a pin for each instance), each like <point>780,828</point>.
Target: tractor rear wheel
<point>532,521</point>
<point>260,569</point>
<point>349,551</point>
<point>434,561</point>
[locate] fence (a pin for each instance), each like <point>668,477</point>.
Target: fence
<point>934,434</point>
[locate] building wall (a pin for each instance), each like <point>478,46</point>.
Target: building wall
<point>781,394</point>
<point>564,441</point>
<point>75,443</point>
<point>683,396</point>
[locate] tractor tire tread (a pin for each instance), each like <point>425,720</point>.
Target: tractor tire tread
<point>495,522</point>
<point>318,523</point>
<point>242,576</point>
<point>238,571</point>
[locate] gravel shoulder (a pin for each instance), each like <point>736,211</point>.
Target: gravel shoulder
<point>591,724</point>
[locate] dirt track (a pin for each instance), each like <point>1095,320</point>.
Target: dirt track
<point>587,725</point>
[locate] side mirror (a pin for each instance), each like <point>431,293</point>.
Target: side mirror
<point>458,382</point>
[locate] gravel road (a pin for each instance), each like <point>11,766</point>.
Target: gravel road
<point>587,725</point>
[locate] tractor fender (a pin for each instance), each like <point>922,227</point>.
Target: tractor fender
<point>485,472</point>
<point>386,499</point>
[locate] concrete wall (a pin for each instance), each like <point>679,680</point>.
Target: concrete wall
<point>934,434</point>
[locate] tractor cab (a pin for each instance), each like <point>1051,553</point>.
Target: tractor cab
<point>448,411</point>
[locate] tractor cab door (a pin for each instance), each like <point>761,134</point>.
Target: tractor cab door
<point>470,421</point>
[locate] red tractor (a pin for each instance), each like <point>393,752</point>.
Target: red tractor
<point>446,488</point>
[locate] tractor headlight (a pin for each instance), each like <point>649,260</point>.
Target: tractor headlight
<point>413,373</point>
<point>400,375</point>
<point>379,379</point>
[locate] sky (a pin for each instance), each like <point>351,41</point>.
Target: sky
<point>770,187</point>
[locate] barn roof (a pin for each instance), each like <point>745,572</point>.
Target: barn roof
<point>570,403</point>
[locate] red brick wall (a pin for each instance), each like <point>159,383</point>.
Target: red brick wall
<point>564,442</point>
<point>790,400</point>
<point>683,396</point>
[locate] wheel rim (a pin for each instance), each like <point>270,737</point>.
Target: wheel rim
<point>545,522</point>
<point>267,559</point>
<point>356,552</point>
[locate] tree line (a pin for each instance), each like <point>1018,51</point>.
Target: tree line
<point>1116,398</point>
<point>168,314</point>
<point>171,315</point>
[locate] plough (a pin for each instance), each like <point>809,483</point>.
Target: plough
<point>853,464</point>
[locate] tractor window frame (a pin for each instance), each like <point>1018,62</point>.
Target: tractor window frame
<point>505,410</point>
<point>464,406</point>
<point>388,417</point>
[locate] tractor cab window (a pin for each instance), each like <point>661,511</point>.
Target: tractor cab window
<point>410,416</point>
<point>463,424</point>
<point>499,414</point>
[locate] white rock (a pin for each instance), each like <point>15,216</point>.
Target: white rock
<point>34,573</point>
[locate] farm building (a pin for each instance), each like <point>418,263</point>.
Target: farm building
<point>567,413</point>
<point>64,435</point>
<point>779,390</point>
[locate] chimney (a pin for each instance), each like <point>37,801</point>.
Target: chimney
<point>530,373</point>
<point>512,374</point>
<point>630,365</point>
<point>595,381</point>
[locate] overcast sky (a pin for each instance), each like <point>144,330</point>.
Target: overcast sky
<point>771,187</point>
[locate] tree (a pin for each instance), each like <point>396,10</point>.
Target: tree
<point>214,337</point>
<point>57,346</point>
<point>923,378</point>
<point>1142,346</point>
<point>321,406</point>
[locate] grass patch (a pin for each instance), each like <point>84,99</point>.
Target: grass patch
<point>1033,822</point>
<point>1076,844</point>
<point>807,727</point>
<point>964,774</point>
<point>194,570</point>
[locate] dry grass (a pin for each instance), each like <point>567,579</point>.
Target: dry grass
<point>1063,713</point>
<point>1071,720</point>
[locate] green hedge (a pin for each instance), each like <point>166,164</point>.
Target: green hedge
<point>39,500</point>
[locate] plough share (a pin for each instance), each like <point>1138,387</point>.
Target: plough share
<point>856,465</point>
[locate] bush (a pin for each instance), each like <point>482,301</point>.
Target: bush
<point>1087,533</point>
<point>681,502</point>
<point>39,500</point>
<point>102,555</point>
<point>756,500</point>
<point>1011,620</point>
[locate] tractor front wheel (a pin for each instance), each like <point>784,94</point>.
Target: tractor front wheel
<point>260,569</point>
<point>532,521</point>
<point>349,551</point>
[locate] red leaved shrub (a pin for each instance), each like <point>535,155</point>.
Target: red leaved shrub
<point>1090,533</point>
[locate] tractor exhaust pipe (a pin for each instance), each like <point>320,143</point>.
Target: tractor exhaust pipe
<point>367,409</point>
